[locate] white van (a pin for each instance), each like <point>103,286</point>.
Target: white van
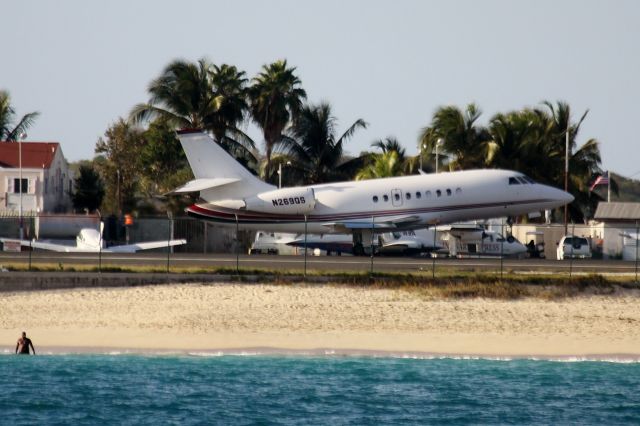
<point>573,247</point>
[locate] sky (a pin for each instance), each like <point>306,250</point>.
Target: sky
<point>83,64</point>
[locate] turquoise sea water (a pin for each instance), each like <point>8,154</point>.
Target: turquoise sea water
<point>269,389</point>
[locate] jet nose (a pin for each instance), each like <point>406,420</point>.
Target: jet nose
<point>566,197</point>
<point>558,196</point>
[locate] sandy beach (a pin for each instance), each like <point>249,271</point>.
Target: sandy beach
<point>212,317</point>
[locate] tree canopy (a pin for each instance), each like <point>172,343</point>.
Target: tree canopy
<point>10,130</point>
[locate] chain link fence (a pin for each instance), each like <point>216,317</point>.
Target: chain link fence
<point>49,242</point>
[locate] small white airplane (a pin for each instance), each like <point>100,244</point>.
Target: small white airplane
<point>464,240</point>
<point>90,241</point>
<point>411,242</point>
<point>231,195</point>
<point>398,243</point>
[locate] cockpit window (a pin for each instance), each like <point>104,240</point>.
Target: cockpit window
<point>513,181</point>
<point>528,179</point>
<point>522,180</point>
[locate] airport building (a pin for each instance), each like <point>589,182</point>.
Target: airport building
<point>46,182</point>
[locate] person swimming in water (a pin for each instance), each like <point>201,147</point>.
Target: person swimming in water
<point>22,347</point>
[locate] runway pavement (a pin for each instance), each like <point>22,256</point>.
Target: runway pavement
<point>318,263</point>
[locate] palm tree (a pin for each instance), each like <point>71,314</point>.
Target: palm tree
<point>390,144</point>
<point>276,98</point>
<point>9,131</point>
<point>204,96</point>
<point>533,141</point>
<point>182,96</point>
<point>408,165</point>
<point>230,91</point>
<point>313,148</point>
<point>584,162</point>
<point>514,143</point>
<point>462,138</point>
<point>384,165</point>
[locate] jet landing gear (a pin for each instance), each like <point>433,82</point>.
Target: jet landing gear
<point>362,243</point>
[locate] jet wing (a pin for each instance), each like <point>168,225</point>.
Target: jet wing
<point>396,223</point>
<point>43,246</point>
<point>132,248</point>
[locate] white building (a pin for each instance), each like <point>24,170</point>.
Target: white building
<point>47,182</point>
<point>620,222</point>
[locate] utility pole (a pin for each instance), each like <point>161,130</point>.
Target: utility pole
<point>21,137</point>
<point>566,176</point>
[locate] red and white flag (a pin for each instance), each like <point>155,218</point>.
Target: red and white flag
<point>600,180</point>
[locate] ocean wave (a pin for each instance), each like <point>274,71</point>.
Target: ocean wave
<point>340,353</point>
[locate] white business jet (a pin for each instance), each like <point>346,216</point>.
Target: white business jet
<point>231,195</point>
<point>89,241</point>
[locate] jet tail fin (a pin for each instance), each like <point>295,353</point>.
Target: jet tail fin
<point>209,161</point>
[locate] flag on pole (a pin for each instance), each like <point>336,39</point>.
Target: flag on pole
<point>601,180</point>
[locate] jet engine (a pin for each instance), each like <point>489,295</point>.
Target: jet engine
<point>284,201</point>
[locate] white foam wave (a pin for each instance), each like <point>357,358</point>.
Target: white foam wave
<point>342,353</point>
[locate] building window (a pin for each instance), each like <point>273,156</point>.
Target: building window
<point>375,198</point>
<point>25,185</point>
<point>385,197</point>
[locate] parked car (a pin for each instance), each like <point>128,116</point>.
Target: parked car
<point>573,247</point>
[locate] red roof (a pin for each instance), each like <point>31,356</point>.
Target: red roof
<point>34,154</point>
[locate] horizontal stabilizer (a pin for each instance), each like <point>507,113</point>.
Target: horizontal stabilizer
<point>202,184</point>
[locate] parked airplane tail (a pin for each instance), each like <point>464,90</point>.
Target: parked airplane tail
<point>216,172</point>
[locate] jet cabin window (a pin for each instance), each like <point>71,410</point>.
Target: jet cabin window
<point>375,198</point>
<point>418,195</point>
<point>408,195</point>
<point>427,194</point>
<point>524,180</point>
<point>385,197</point>
<point>396,196</point>
<point>448,193</point>
<point>439,193</point>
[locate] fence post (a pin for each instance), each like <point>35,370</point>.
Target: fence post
<point>434,255</point>
<point>205,233</point>
<point>100,231</point>
<point>502,249</point>
<point>170,217</point>
<point>573,236</point>
<point>637,236</point>
<point>31,250</point>
<point>237,246</point>
<point>372,228</point>
<point>305,246</point>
